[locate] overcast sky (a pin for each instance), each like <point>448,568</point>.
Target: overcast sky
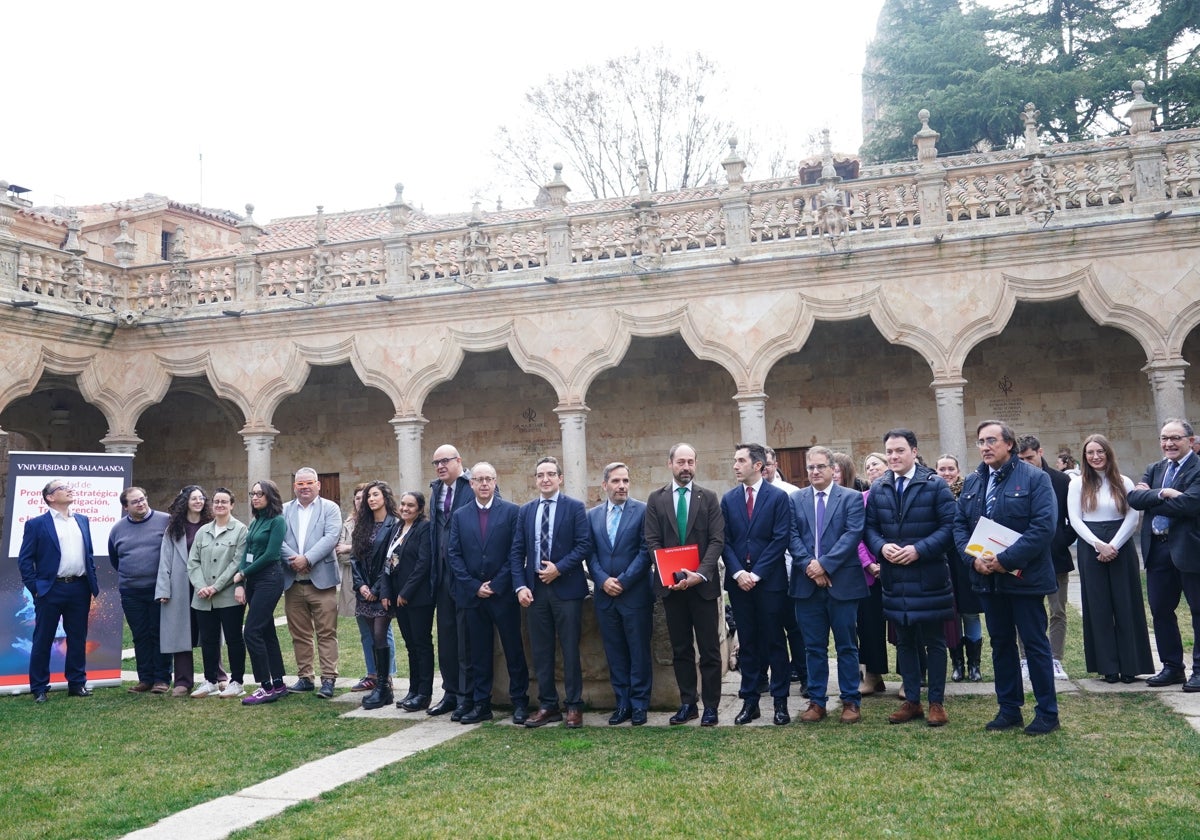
<point>299,104</point>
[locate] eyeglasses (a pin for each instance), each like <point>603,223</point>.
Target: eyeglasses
<point>987,441</point>
<point>140,501</point>
<point>53,490</point>
<point>1171,438</point>
<point>483,479</point>
<point>441,462</point>
<point>257,494</point>
<point>817,467</point>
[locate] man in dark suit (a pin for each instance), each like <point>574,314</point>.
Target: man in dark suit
<point>58,568</point>
<point>549,548</point>
<point>448,492</point>
<point>1169,493</point>
<point>758,524</point>
<point>481,537</point>
<point>683,513</point>
<point>620,567</point>
<point>827,583</point>
<point>1030,451</point>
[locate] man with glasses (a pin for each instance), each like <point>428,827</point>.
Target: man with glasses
<point>310,579</point>
<point>910,528</point>
<point>1014,580</point>
<point>448,492</point>
<point>134,546</point>
<point>1169,493</point>
<point>59,570</point>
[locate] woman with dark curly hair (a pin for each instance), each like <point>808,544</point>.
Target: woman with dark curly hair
<point>259,585</point>
<point>178,631</point>
<point>377,521</point>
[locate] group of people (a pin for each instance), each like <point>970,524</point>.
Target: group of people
<point>839,557</point>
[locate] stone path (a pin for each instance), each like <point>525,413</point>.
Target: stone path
<point>218,818</point>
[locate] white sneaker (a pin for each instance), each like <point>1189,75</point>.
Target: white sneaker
<point>1025,669</point>
<point>1059,672</point>
<point>234,689</point>
<point>203,690</point>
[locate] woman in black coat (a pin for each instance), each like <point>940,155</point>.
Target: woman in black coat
<point>410,587</point>
<point>374,529</point>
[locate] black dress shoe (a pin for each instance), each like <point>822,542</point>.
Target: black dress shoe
<point>638,716</point>
<point>479,714</point>
<point>414,703</point>
<point>782,718</point>
<point>1128,678</point>
<point>462,709</point>
<point>686,712</point>
<point>622,714</point>
<point>1193,684</point>
<point>520,715</point>
<point>41,697</point>
<point>444,706</point>
<point>1112,678</point>
<point>709,718</point>
<point>400,703</point>
<point>1167,676</point>
<point>748,713</point>
<point>79,691</point>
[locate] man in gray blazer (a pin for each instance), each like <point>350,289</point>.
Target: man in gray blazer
<point>310,579</point>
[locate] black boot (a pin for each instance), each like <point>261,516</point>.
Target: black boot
<point>960,669</point>
<point>382,695</point>
<point>974,649</point>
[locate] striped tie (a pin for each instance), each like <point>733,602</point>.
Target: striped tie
<point>990,503</point>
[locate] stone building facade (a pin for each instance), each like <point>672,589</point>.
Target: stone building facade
<point>1051,286</point>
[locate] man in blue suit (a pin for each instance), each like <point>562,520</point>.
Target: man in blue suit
<point>620,567</point>
<point>481,537</point>
<point>58,568</point>
<point>758,524</point>
<point>549,548</point>
<point>827,583</point>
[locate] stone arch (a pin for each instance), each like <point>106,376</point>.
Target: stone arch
<point>56,415</point>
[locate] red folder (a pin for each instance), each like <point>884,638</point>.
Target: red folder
<point>671,560</point>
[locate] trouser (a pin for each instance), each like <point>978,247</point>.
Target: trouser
<point>553,618</point>
<point>1164,585</point>
<point>1006,616</point>
<point>912,640</point>
<point>141,610</point>
<point>70,602</point>
<point>692,626</point>
<point>263,591</point>
<point>312,612</point>
<point>416,628</point>
<point>212,623</point>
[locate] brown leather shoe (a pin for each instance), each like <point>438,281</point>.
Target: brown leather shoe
<point>907,711</point>
<point>543,716</point>
<point>140,688</point>
<point>851,713</point>
<point>937,715</point>
<point>813,714</point>
<point>574,718</point>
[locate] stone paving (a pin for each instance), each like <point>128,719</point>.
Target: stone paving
<point>218,818</point>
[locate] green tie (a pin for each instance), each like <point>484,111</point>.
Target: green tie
<point>681,513</point>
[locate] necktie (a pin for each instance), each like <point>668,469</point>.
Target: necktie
<point>1162,524</point>
<point>900,487</point>
<point>483,520</point>
<point>749,502</point>
<point>446,499</point>
<point>820,521</point>
<point>614,520</point>
<point>990,502</point>
<point>681,513</point>
<point>544,535</point>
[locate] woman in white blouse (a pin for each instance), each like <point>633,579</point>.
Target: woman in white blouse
<point>1116,643</point>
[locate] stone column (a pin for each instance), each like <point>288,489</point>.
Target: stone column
<point>752,408</point>
<point>1166,384</point>
<point>952,433</point>
<point>573,420</point>
<point>116,444</point>
<point>409,432</point>
<point>9,246</point>
<point>258,454</point>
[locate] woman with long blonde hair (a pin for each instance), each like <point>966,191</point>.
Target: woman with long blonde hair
<point>1116,643</point>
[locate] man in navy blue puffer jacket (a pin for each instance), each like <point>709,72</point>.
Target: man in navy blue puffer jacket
<point>1013,583</point>
<point>910,528</point>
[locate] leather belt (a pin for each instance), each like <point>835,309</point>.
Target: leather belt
<point>69,578</point>
<point>1160,537</point>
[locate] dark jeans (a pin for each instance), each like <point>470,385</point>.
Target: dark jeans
<point>263,591</point>
<point>1006,616</point>
<point>211,623</point>
<point>928,638</point>
<point>141,610</point>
